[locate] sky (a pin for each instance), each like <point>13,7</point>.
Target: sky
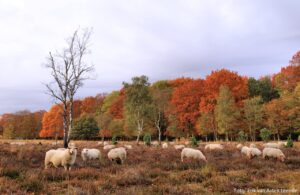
<point>163,39</point>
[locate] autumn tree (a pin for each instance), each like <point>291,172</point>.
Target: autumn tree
<point>185,100</point>
<point>69,70</point>
<point>91,104</point>
<point>206,125</point>
<point>253,112</point>
<point>137,100</point>
<point>116,108</point>
<point>226,112</point>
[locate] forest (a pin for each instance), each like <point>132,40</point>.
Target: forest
<point>222,106</point>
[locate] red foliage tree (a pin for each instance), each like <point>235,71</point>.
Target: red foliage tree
<point>116,109</point>
<point>52,124</point>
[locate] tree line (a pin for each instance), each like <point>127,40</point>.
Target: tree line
<point>223,105</point>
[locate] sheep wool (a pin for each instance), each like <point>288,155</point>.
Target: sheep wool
<point>61,157</point>
<point>165,145</point>
<point>90,154</point>
<point>108,147</point>
<point>254,152</point>
<point>192,153</point>
<point>179,147</point>
<point>239,146</point>
<point>246,151</point>
<point>117,154</point>
<point>252,145</point>
<point>274,153</point>
<point>128,147</point>
<point>214,147</point>
<point>271,145</point>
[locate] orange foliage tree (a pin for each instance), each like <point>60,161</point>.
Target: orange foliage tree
<point>116,109</point>
<point>52,124</point>
<point>185,100</point>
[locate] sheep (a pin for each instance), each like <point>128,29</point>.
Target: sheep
<point>73,157</point>
<point>214,147</point>
<point>65,158</point>
<point>129,147</point>
<point>282,144</point>
<point>155,144</point>
<point>165,145</point>
<point>273,152</point>
<point>179,147</point>
<point>172,143</point>
<point>90,154</point>
<point>246,151</point>
<point>254,152</point>
<point>105,143</point>
<point>192,153</point>
<point>252,145</point>
<point>239,146</point>
<point>271,145</point>
<point>117,154</point>
<point>108,147</point>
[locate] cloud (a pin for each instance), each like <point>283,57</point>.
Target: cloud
<point>161,39</point>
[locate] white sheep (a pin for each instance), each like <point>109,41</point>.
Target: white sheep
<point>239,146</point>
<point>128,147</point>
<point>254,152</point>
<point>282,144</point>
<point>246,151</point>
<point>105,143</point>
<point>179,147</point>
<point>273,152</point>
<point>155,143</point>
<point>90,154</point>
<point>117,154</point>
<point>214,147</point>
<point>252,145</point>
<point>172,143</point>
<point>165,145</point>
<point>271,145</point>
<point>108,147</point>
<point>192,153</point>
<point>61,157</point>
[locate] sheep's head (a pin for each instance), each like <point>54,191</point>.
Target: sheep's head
<point>282,158</point>
<point>72,150</point>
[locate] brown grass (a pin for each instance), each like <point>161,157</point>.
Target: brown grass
<point>147,170</point>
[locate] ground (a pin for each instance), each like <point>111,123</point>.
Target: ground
<point>147,170</point>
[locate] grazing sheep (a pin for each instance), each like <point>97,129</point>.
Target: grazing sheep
<point>165,145</point>
<point>179,147</point>
<point>129,147</point>
<point>239,146</point>
<point>273,152</point>
<point>61,157</point>
<point>108,147</point>
<point>117,154</point>
<point>105,143</point>
<point>214,147</point>
<point>254,152</point>
<point>90,154</point>
<point>246,151</point>
<point>271,145</point>
<point>282,144</point>
<point>155,143</point>
<point>252,145</point>
<point>192,153</point>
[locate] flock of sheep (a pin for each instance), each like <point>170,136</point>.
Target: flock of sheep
<point>66,156</point>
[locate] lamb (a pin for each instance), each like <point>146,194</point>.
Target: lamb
<point>179,147</point>
<point>252,145</point>
<point>60,157</point>
<point>117,154</point>
<point>192,153</point>
<point>254,152</point>
<point>165,145</point>
<point>214,147</point>
<point>239,146</point>
<point>108,147</point>
<point>273,152</point>
<point>90,154</point>
<point>128,147</point>
<point>271,145</point>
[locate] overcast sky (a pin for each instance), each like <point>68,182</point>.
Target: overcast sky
<point>162,39</point>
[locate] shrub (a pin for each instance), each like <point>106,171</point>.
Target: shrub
<point>114,140</point>
<point>11,173</point>
<point>242,136</point>
<point>289,142</point>
<point>147,139</point>
<point>265,134</point>
<point>194,141</point>
<point>85,128</point>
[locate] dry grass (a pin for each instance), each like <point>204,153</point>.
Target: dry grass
<point>147,170</point>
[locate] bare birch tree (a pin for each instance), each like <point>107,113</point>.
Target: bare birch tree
<point>69,70</point>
